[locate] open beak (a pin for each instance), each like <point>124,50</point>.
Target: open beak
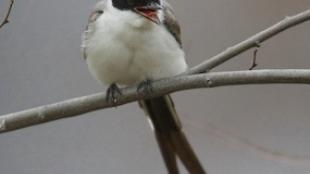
<point>149,11</point>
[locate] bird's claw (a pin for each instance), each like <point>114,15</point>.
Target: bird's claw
<point>145,87</point>
<point>113,92</point>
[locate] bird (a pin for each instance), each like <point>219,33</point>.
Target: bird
<point>134,42</point>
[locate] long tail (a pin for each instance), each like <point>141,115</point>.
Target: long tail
<point>170,137</point>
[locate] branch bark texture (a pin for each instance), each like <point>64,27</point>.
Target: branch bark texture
<point>81,105</point>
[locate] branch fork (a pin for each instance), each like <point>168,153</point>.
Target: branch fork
<point>188,80</point>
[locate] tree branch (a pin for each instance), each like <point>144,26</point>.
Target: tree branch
<point>251,42</point>
<point>6,18</point>
<point>81,105</point>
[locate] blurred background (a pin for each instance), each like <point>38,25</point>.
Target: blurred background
<point>248,129</point>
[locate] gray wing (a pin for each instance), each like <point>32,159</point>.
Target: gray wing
<point>171,23</point>
<point>90,28</point>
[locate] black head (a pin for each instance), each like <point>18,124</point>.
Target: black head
<point>131,4</point>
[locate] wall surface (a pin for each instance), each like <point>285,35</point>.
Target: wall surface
<point>238,130</point>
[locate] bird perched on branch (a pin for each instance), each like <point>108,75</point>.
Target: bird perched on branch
<point>128,42</point>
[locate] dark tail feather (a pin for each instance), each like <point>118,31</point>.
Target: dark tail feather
<point>167,151</point>
<point>169,135</point>
<point>186,153</point>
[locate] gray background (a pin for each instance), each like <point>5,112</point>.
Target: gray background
<point>249,129</point>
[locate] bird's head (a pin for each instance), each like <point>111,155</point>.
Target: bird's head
<point>146,8</point>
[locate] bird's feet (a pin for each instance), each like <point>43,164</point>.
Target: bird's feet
<point>113,92</point>
<point>145,87</point>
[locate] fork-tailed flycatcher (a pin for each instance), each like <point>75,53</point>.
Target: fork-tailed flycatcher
<point>127,42</point>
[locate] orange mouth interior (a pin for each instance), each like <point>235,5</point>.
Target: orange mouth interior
<point>148,12</point>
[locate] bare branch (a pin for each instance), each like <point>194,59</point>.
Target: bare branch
<point>254,64</point>
<point>251,42</point>
<point>81,105</point>
<point>6,18</point>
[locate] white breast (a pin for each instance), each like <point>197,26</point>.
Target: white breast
<point>126,49</point>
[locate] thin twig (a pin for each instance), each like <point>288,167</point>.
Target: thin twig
<point>254,64</point>
<point>81,105</point>
<point>251,42</point>
<point>6,18</point>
